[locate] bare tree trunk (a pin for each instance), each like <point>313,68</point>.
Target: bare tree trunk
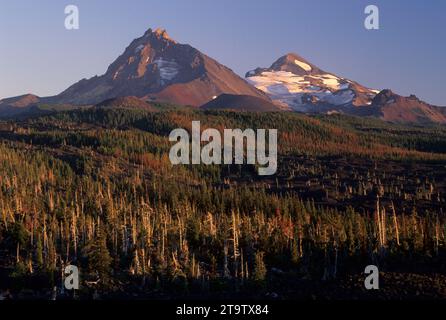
<point>18,253</point>
<point>395,223</point>
<point>242,265</point>
<point>383,227</point>
<point>378,222</point>
<point>235,244</point>
<point>437,235</point>
<point>226,270</point>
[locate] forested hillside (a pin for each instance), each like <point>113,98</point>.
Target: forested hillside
<point>95,188</point>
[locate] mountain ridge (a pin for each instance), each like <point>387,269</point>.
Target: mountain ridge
<point>294,82</point>
<point>156,68</point>
<point>392,107</point>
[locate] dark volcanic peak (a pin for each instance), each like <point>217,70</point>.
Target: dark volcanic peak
<point>240,103</point>
<point>159,33</point>
<point>156,67</point>
<point>383,97</point>
<point>126,103</point>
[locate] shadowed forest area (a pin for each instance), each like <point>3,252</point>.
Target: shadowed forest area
<point>95,188</point>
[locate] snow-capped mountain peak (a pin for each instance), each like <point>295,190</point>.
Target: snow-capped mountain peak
<point>303,65</point>
<point>294,82</point>
<point>296,64</point>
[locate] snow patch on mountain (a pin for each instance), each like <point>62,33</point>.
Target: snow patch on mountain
<point>297,83</point>
<point>293,90</point>
<point>340,97</point>
<point>303,65</point>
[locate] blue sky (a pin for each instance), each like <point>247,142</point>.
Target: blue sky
<point>38,55</point>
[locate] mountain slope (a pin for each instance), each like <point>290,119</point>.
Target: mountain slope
<point>392,107</point>
<point>296,83</point>
<point>20,101</point>
<point>158,68</point>
<point>293,82</point>
<point>126,103</point>
<point>240,103</point>
<point>19,105</point>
